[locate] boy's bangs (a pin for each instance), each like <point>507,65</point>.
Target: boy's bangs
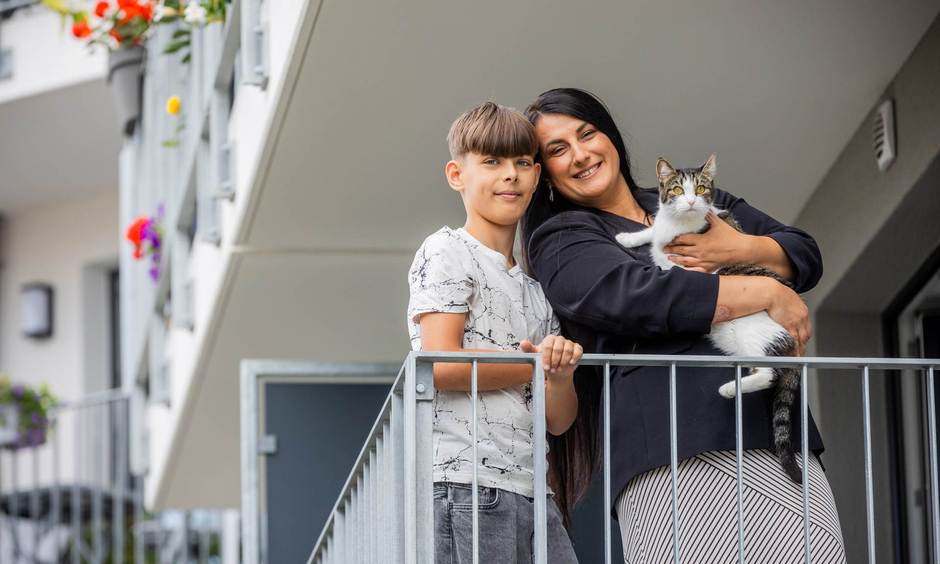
<point>491,129</point>
<point>504,136</point>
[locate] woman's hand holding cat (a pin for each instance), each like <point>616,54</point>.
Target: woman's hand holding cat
<point>789,310</point>
<point>721,245</point>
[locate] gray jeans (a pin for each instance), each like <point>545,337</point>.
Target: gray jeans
<point>506,527</point>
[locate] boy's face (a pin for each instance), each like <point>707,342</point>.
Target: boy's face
<point>496,189</point>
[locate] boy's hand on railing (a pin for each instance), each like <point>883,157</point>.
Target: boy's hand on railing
<point>559,355</point>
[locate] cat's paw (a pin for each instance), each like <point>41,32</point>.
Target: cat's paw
<point>727,390</point>
<point>630,240</point>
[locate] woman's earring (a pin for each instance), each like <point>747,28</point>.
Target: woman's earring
<point>551,193</point>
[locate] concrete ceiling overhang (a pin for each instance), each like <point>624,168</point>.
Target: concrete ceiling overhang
<point>774,88</point>
<point>59,145</point>
<point>354,181</point>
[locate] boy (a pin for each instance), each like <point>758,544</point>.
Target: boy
<point>468,293</point>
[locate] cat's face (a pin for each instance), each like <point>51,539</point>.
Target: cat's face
<point>686,190</point>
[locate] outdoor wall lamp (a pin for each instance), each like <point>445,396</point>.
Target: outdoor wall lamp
<point>36,299</point>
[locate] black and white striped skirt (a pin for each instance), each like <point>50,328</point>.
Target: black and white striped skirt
<point>773,513</point>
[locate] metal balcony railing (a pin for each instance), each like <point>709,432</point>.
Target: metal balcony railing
<point>73,499</point>
<point>385,510</point>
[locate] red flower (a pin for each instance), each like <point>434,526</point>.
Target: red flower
<point>101,8</point>
<point>116,36</point>
<point>135,234</point>
<point>81,29</point>
<point>146,11</point>
<point>125,4</point>
<point>131,11</point>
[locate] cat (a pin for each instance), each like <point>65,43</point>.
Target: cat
<point>686,197</point>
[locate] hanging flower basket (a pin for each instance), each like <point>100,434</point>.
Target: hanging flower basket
<point>124,80</point>
<point>24,414</point>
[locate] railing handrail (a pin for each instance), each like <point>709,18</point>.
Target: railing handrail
<point>94,398</point>
<point>689,360</point>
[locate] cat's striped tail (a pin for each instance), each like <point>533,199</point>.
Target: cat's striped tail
<point>786,384</point>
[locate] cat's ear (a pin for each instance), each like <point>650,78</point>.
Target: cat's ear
<point>664,171</point>
<point>710,168</point>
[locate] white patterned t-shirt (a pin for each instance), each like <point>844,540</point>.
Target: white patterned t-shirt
<point>454,273</point>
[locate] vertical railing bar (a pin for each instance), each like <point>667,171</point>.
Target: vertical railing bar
<point>674,462</point>
<point>76,499</point>
<point>121,418</point>
<point>424,477</point>
<point>55,508</point>
<point>474,495</point>
<point>869,489</point>
<point>739,455</point>
<point>34,498</point>
<point>804,442</point>
<point>540,549</point>
<point>379,486</point>
<point>388,517</point>
<point>374,510</point>
<point>97,488</point>
<point>350,532</point>
<point>934,492</point>
<point>138,487</point>
<point>607,493</point>
<point>364,502</point>
<point>354,523</point>
<point>203,545</point>
<point>15,497</point>
<point>396,435</point>
<point>339,533</point>
<point>367,529</point>
<point>410,488</point>
<point>361,531</point>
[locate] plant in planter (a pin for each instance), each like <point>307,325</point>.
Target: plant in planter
<point>122,27</point>
<point>197,13</point>
<point>146,234</point>
<point>114,24</point>
<point>25,414</point>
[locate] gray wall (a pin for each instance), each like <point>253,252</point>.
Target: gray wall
<point>875,230</point>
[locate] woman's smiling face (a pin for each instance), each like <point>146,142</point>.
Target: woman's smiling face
<point>581,162</point>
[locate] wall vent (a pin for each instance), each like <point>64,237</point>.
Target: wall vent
<point>883,142</point>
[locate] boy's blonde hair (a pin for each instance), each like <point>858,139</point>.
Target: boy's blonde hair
<point>492,129</point>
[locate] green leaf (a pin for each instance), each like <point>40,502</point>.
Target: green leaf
<point>171,143</point>
<point>176,46</point>
<point>181,33</point>
<point>187,58</point>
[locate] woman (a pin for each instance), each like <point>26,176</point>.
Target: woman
<point>614,300</point>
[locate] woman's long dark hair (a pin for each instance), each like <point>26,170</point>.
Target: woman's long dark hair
<point>573,456</point>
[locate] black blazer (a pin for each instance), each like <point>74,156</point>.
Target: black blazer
<point>615,300</point>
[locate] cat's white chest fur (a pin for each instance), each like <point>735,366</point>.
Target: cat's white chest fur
<point>666,228</point>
